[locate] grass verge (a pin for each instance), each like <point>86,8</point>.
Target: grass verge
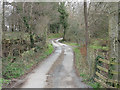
<point>23,64</point>
<point>81,67</point>
<point>53,36</point>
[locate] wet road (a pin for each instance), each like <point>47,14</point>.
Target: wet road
<point>57,71</point>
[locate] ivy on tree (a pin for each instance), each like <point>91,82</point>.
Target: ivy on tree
<point>63,18</point>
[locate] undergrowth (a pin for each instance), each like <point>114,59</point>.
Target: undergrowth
<point>83,69</point>
<point>22,64</point>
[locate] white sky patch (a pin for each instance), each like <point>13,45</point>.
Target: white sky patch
<point>10,1</point>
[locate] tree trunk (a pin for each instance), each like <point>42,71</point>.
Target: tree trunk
<point>31,40</point>
<point>1,28</point>
<point>88,62</point>
<point>3,20</point>
<point>119,41</point>
<point>86,28</point>
<point>31,9</point>
<point>31,33</point>
<point>64,35</point>
<point>23,7</point>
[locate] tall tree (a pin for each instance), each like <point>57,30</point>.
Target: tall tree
<point>63,18</point>
<point>3,22</point>
<point>1,18</point>
<point>86,27</point>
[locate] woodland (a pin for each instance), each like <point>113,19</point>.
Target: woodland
<point>91,28</point>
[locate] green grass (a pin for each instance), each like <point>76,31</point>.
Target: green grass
<point>53,36</point>
<point>3,81</point>
<point>99,47</point>
<point>80,63</point>
<point>49,50</point>
<point>96,44</point>
<point>94,85</point>
<point>23,64</point>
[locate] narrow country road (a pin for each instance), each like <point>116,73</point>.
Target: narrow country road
<point>57,71</point>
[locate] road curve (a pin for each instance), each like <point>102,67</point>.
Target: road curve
<point>57,71</point>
